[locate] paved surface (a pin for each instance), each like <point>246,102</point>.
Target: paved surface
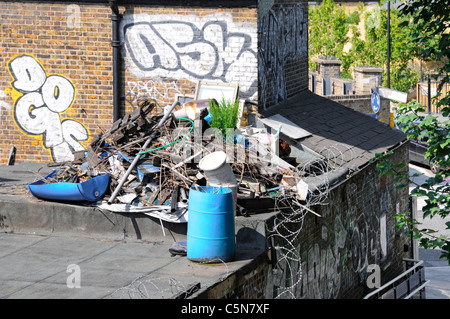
<point>52,267</point>
<point>53,250</point>
<point>436,270</point>
<point>53,263</point>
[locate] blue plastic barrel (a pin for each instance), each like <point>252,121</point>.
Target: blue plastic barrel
<point>210,231</point>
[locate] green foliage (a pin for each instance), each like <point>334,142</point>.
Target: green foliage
<point>374,51</point>
<point>419,30</point>
<point>224,114</point>
<point>436,190</point>
<point>430,19</point>
<point>329,28</point>
<point>328,32</point>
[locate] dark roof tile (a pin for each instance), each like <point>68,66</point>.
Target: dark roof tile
<point>333,124</point>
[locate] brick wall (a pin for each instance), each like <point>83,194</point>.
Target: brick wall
<point>336,248</point>
<point>367,78</point>
<point>327,69</point>
<point>362,103</point>
<point>254,281</point>
<point>69,47</point>
<point>283,50</point>
<point>327,257</point>
<point>166,51</point>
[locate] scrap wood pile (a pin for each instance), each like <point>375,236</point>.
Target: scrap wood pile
<point>152,162</point>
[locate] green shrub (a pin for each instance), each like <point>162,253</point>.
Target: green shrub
<point>224,114</point>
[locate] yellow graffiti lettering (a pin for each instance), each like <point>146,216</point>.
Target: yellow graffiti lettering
<point>39,100</point>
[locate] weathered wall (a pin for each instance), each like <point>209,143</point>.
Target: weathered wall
<point>327,257</point>
<point>167,50</point>
<point>283,50</point>
<point>363,104</point>
<point>55,88</point>
<point>357,229</point>
<point>56,91</point>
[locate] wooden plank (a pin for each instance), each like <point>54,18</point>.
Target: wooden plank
<point>393,95</point>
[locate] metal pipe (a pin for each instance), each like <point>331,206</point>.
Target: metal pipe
<point>115,18</point>
<point>429,94</point>
<point>184,198</point>
<point>241,210</point>
<point>138,157</point>
<point>417,289</point>
<point>174,200</point>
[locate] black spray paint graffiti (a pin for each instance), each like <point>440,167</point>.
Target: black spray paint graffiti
<point>188,47</point>
<point>40,99</point>
<point>283,39</point>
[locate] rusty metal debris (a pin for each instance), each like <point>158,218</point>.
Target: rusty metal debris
<point>152,160</point>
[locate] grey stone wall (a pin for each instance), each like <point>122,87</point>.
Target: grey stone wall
<point>282,50</point>
<point>327,257</point>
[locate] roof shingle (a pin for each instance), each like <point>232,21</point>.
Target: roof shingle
<point>333,125</point>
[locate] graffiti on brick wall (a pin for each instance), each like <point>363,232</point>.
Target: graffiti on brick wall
<point>191,47</point>
<point>352,244</point>
<point>39,101</point>
<point>356,238</point>
<point>162,92</point>
<point>283,39</point>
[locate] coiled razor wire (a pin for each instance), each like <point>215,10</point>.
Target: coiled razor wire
<point>284,234</point>
<point>151,287</point>
<point>288,224</point>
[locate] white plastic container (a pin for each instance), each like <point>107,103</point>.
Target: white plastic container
<point>218,172</point>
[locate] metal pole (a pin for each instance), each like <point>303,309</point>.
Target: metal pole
<point>115,18</point>
<point>389,44</point>
<point>138,157</point>
<point>429,94</point>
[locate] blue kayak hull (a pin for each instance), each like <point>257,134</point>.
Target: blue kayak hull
<point>90,190</point>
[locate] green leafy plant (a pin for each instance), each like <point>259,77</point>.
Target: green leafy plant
<point>435,190</point>
<point>224,114</point>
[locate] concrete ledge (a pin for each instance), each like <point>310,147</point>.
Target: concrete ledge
<point>44,218</point>
<point>21,212</point>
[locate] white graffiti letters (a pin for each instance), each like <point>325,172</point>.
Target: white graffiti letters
<point>188,46</point>
<point>28,74</point>
<point>37,110</point>
<point>374,279</point>
<point>58,93</point>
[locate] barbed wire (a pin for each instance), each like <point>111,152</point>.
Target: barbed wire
<point>284,233</point>
<point>150,287</point>
<point>288,224</point>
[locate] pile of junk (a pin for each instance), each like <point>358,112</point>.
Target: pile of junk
<point>150,161</point>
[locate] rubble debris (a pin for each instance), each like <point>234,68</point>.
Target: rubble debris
<point>152,161</point>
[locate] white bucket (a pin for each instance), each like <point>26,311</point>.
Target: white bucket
<point>180,113</point>
<point>218,172</point>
